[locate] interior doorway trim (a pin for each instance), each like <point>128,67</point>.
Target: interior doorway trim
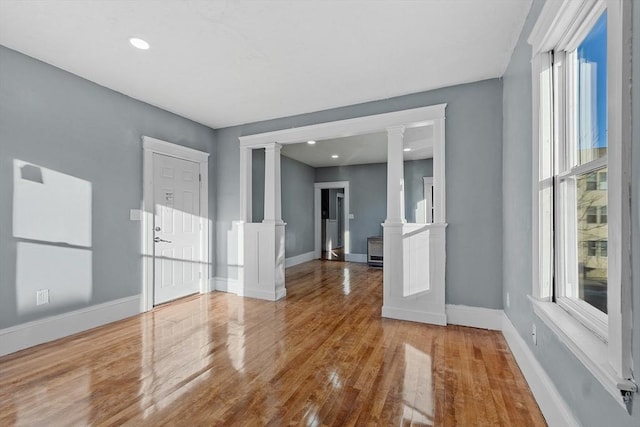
<point>415,117</point>
<point>150,147</point>
<point>317,208</point>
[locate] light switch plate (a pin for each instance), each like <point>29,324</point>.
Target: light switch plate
<point>351,216</point>
<point>135,215</point>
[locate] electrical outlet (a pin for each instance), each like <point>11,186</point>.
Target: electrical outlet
<point>508,301</point>
<point>534,335</point>
<point>42,296</point>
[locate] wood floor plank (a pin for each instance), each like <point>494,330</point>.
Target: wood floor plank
<point>323,356</point>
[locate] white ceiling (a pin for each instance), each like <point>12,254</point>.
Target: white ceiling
<point>361,149</point>
<point>229,62</point>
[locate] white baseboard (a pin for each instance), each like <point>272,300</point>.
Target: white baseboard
<point>265,295</point>
<point>299,259</point>
<point>225,284</point>
<point>414,316</point>
<point>475,317</point>
<point>362,258</point>
<point>555,410</point>
<point>51,328</point>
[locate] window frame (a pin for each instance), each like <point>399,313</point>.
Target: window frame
<point>604,351</point>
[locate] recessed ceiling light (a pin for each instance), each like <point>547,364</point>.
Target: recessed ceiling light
<point>407,149</point>
<point>334,156</point>
<point>311,142</point>
<point>139,43</point>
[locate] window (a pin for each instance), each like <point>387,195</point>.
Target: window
<point>580,84</point>
<point>582,112</point>
<point>602,180</point>
<point>592,215</point>
<point>603,214</point>
<point>603,248</point>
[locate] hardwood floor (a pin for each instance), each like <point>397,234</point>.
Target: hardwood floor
<point>322,356</point>
<point>336,254</point>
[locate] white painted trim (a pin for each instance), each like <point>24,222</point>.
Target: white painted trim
<point>343,128</point>
<point>475,317</point>
<point>299,259</point>
<point>272,186</point>
<point>40,331</point>
<point>414,316</point>
<point>619,301</point>
<point>584,344</point>
<point>265,295</point>
<point>427,186</point>
<point>554,20</point>
<point>224,284</point>
<point>246,191</point>
<point>361,258</point>
<point>150,147</point>
<point>555,410</point>
<point>175,150</point>
<point>439,176</point>
<point>317,214</point>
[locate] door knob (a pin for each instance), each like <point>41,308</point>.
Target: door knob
<point>158,240</point>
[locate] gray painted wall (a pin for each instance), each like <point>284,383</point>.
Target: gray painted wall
<point>474,182</point>
<point>297,206</point>
<point>257,185</point>
<point>333,202</point>
<point>590,403</point>
<point>64,123</point>
<point>368,199</point>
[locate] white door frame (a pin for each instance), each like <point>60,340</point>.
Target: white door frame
<point>150,147</point>
<point>317,213</point>
<point>344,216</point>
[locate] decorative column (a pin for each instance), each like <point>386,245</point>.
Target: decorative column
<point>274,274</point>
<point>393,275</point>
<point>395,175</point>
<point>246,160</point>
<point>272,187</point>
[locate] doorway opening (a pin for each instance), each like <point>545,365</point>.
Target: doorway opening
<point>332,226</point>
<point>331,214</point>
<point>413,254</point>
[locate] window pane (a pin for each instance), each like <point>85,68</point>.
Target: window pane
<point>603,180</point>
<point>592,242</point>
<point>592,93</point>
<point>603,248</point>
<point>603,214</point>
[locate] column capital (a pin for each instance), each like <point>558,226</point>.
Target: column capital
<point>396,130</point>
<point>273,146</point>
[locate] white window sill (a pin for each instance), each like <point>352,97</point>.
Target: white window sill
<point>584,344</point>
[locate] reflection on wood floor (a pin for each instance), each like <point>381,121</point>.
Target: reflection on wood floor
<point>335,254</point>
<point>322,356</point>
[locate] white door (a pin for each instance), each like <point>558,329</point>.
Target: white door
<point>176,200</point>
